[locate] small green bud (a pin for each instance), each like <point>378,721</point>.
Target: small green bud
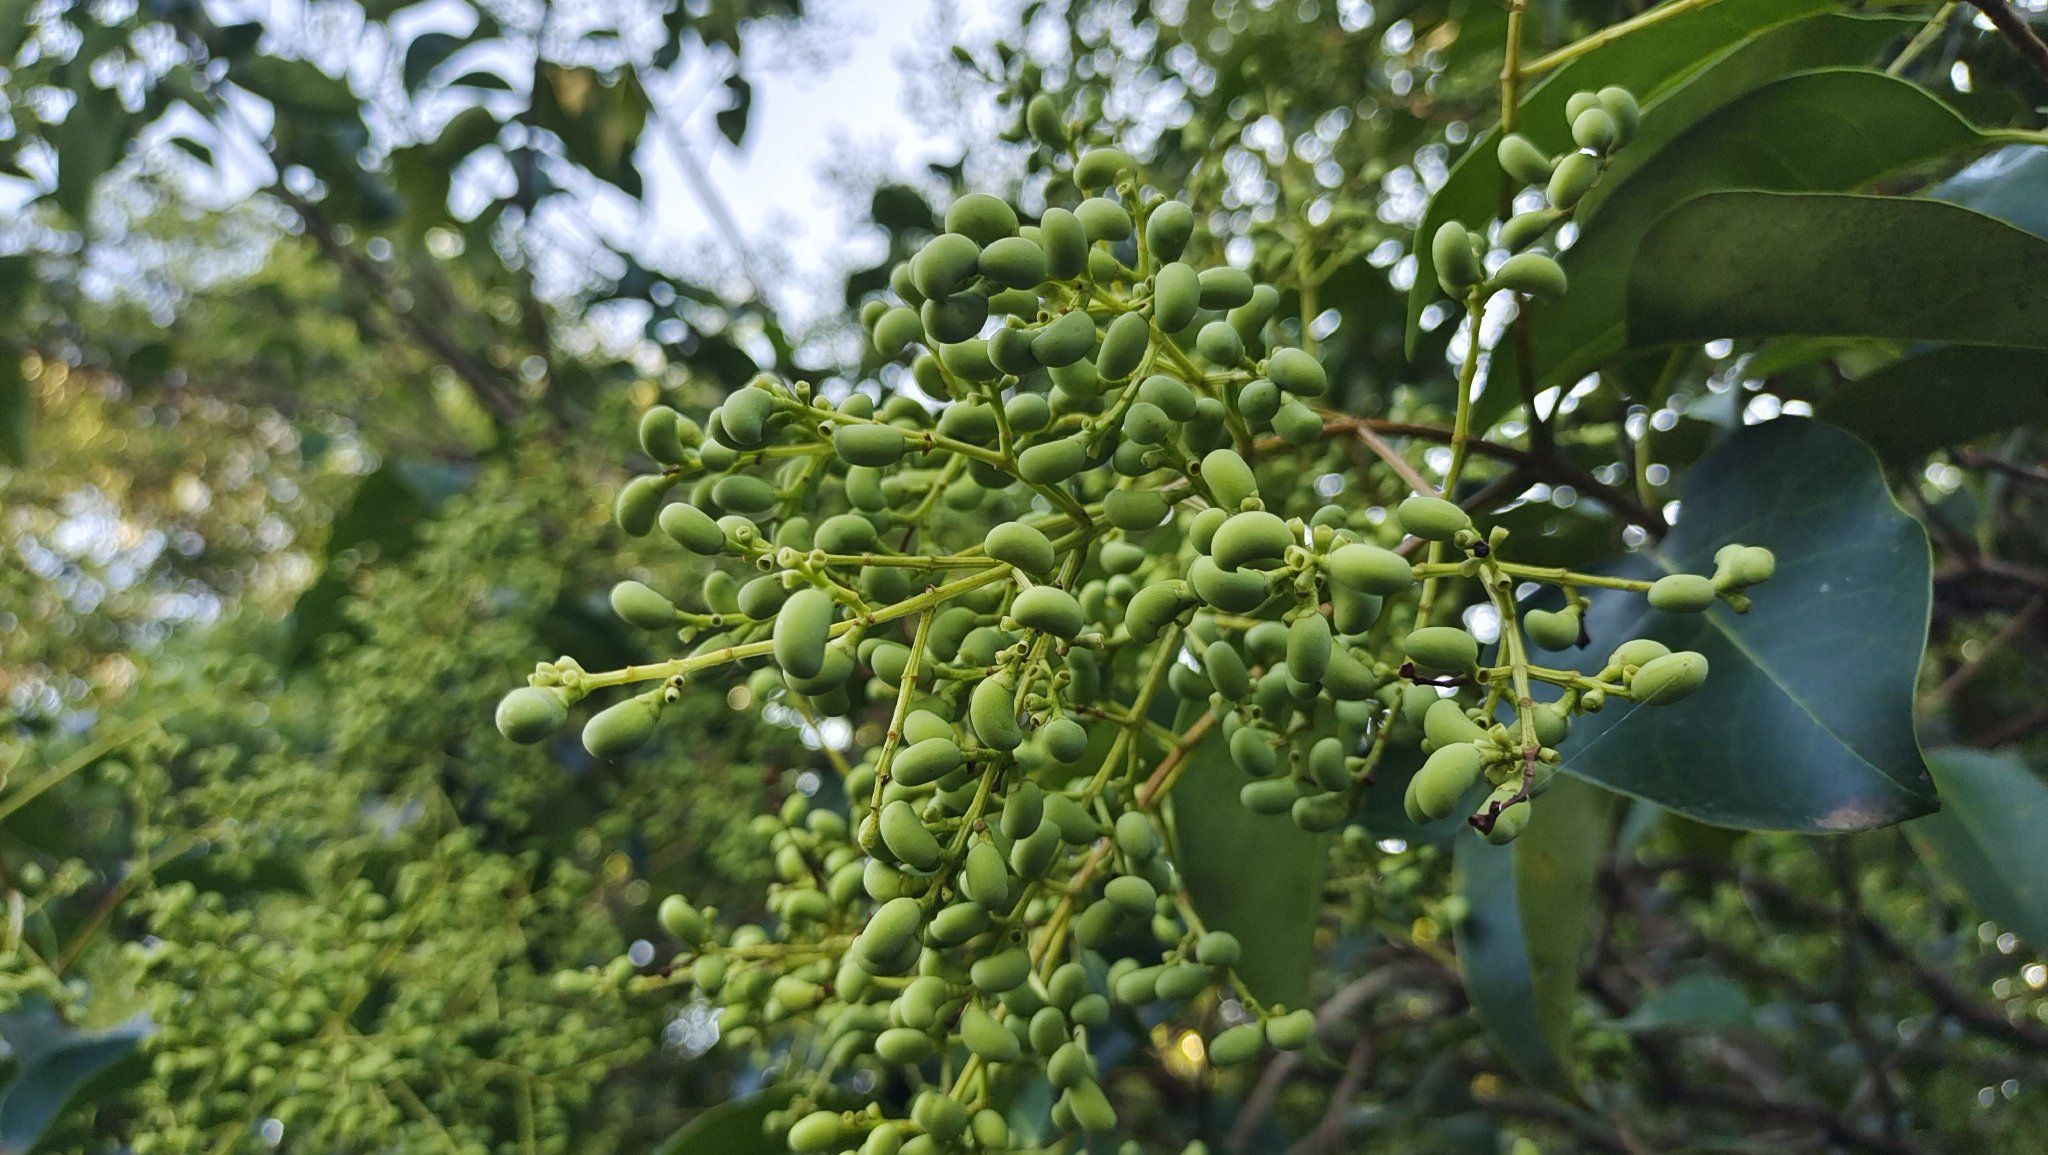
<point>618,730</point>
<point>1522,160</point>
<point>1664,680</point>
<point>532,714</point>
<point>1431,518</point>
<point>1457,267</point>
<point>1682,593</point>
<point>1532,273</point>
<point>1445,648</point>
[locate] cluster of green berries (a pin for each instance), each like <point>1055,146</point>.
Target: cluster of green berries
<point>1023,563</point>
<point>1601,122</point>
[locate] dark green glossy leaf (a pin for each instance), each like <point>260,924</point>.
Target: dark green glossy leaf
<point>1557,861</point>
<point>2010,184</point>
<point>731,1128</point>
<point>1761,264</point>
<point>53,1063</point>
<point>1259,877</point>
<point>1493,957</point>
<point>1826,130</point>
<point>1694,1003</point>
<point>1806,718</point>
<point>1941,397</point>
<point>1642,63</point>
<point>1990,838</point>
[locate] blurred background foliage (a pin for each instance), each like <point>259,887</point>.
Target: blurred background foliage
<point>319,342</point>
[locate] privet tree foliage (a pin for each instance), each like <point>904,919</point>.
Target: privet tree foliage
<point>1398,587</point>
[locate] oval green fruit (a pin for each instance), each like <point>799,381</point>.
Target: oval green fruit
<point>802,627</point>
<point>1042,121</point>
<point>1664,680</point>
<point>1291,1031</point>
<point>1682,593</point>
<point>1013,261</point>
<point>1067,339</point>
<point>1444,648</point>
<point>1168,229</point>
<point>986,1037</point>
<point>660,435</point>
<point>1226,670</point>
<point>1051,462</point>
<point>1229,479</point>
<point>639,500</point>
<point>1250,536</point>
<point>744,493</point>
<point>531,714</point>
<point>1298,372</point>
<point>1134,510</point>
<point>1521,159</point>
<point>1170,394</point>
<point>927,761</point>
<point>1532,273</point>
<point>1446,724</point>
<point>1065,243</point>
<point>638,605</point>
<point>1219,344</point>
<point>1637,652</point>
<point>1218,948</point>
<point>1574,178</point>
<point>1237,1045</point>
<point>1009,349</point>
<point>1552,630</point>
<point>969,360</point>
<point>1594,129</point>
<point>949,319</point>
<point>1621,105</point>
<point>1457,267</point>
<point>1297,424</point>
<point>693,529</point>
<point>1022,546</point>
<point>1431,518</point>
<point>1224,287</point>
<point>907,837</point>
<point>1176,296</point>
<point>875,446</point>
<point>1524,229</point>
<point>1308,646</point>
<point>1103,220</point>
<point>1051,610</point>
<point>1002,971</point>
<point>896,330</point>
<point>1098,168</point>
<point>618,730</point>
<point>945,264</point>
<point>1443,780</point>
<point>992,710</point>
<point>1123,347</point>
<point>816,1132</point>
<point>1370,569</point>
<point>904,1046</point>
<point>1065,739</point>
<point>1268,795</point>
<point>981,218</point>
<point>1156,605</point>
<point>745,415</point>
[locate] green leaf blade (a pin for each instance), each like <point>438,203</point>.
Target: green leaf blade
<point>1989,838</point>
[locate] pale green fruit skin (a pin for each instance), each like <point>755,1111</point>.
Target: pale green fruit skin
<point>944,264</point>
<point>1444,778</point>
<point>1594,129</point>
<point>1574,178</point>
<point>531,714</point>
<point>1104,220</point>
<point>1253,535</point>
<point>802,626</point>
<point>693,529</point>
<point>1309,647</point>
<point>1226,288</point>
<point>927,761</point>
<point>638,503</point>
<point>1168,229</point>
<point>907,837</point>
<point>681,920</point>
<point>992,710</point>
<point>1297,372</point>
<point>1431,518</point>
<point>1621,105</point>
<point>1229,479</point>
<point>1219,344</point>
<point>1682,593</point>
<point>1523,229</point>
<point>1450,250</point>
<point>875,446</point>
<point>1218,948</point>
<point>1445,724</point>
<point>1370,569</point>
<point>1065,243</point>
<point>896,330</point>
<point>1637,652</point>
<point>1664,680</point>
<point>1445,648</point>
<point>1051,610</point>
<point>1099,168</point>
<point>618,730</point>
<point>982,218</point>
<point>1552,630</point>
<point>1291,1031</point>
<point>1123,347</point>
<point>1236,1045</point>
<point>1176,296</point>
<point>1509,823</point>
<point>1042,120</point>
<point>1154,606</point>
<point>1521,159</point>
<point>1134,509</point>
<point>1022,546</point>
<point>638,605</point>
<point>1051,462</point>
<point>1534,274</point>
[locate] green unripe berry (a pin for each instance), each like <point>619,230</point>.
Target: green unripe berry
<point>875,446</point>
<point>1637,652</point>
<point>693,529</point>
<point>1297,372</point>
<point>1218,948</point>
<point>1321,813</point>
<point>1258,401</point>
<point>683,922</point>
<point>638,605</point>
<point>1009,350</point>
<point>1445,724</point>
<point>1134,510</point>
<point>1579,102</point>
<point>906,836</point>
<point>1532,273</point>
<point>1575,176</point>
<point>744,493</point>
<point>947,319</point>
<point>1370,569</point>
<point>1297,424</point>
<point>1134,837</point>
<point>1664,680</point>
<point>661,435</point>
<point>1225,288</point>
<point>1066,339</point>
<point>1027,412</point>
<point>1552,630</point>
<point>1051,610</point>
<point>1132,893</point>
<point>1594,129</point>
<point>1445,648</point>
<point>1022,546</point>
<point>1005,970</point>
<point>1229,479</point>
<point>1103,220</point>
<point>981,218</point>
<point>939,1114</point>
<point>1308,646</point>
<point>1291,1031</point>
<point>1168,230</point>
<point>1154,606</point>
<point>1042,121</point>
<point>1022,810</point>
<point>1250,536</point>
<point>1250,318</point>
<point>1123,347</point>
<point>1065,739</point>
<point>815,1132</point>
<point>905,1046</point>
<point>1013,261</point>
<point>1098,168</point>
<point>1523,229</point>
<point>1431,518</point>
<point>1051,462</point>
<point>1065,242</point>
<point>1521,159</point>
<point>1182,981</point>
<point>1233,592</point>
<point>1090,1108</point>
<point>802,627</point>
<point>1682,593</point>
<point>945,263</point>
<point>1268,795</point>
<point>1226,670</point>
<point>1170,394</point>
<point>969,360</point>
<point>1457,266</point>
<point>639,500</point>
<point>1219,344</point>
<point>927,761</point>
<point>1620,104</point>
<point>1251,749</point>
<point>618,730</point>
<point>531,714</point>
<point>897,329</point>
<point>744,416</point>
<point>1176,296</point>
<point>1236,1045</point>
<point>1509,823</point>
<point>1443,780</point>
<point>992,711</point>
